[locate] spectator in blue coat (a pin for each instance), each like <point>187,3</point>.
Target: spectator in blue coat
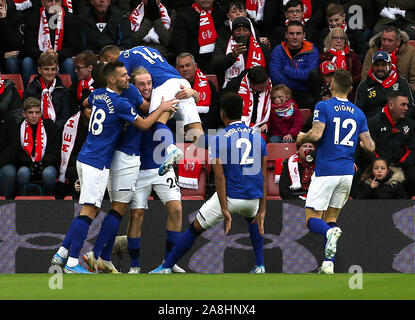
<point>291,63</point>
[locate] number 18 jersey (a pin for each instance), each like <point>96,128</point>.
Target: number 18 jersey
<point>343,124</point>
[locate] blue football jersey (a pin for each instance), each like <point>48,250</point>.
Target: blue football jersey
<point>240,149</point>
<point>130,139</point>
<point>109,113</point>
<point>343,124</point>
<point>152,60</point>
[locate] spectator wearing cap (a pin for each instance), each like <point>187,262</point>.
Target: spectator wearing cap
<point>371,94</point>
<point>292,61</point>
<point>337,50</point>
<point>239,52</point>
<point>320,81</point>
<point>395,42</point>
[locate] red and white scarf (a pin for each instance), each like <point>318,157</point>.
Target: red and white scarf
<point>68,5</point>
<point>84,84</point>
<point>48,110</point>
<point>255,9</point>
<point>264,103</point>
<point>278,169</point>
<point>308,11</point>
<point>207,32</point>
<point>44,32</point>
<point>202,86</point>
<point>394,57</point>
<point>26,138</point>
<point>68,142</point>
<point>255,57</point>
<point>137,16</point>
<point>189,173</point>
<point>2,86</point>
<point>388,82</point>
<point>23,4</point>
<point>339,57</point>
<point>297,181</point>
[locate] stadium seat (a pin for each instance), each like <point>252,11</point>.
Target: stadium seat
<point>2,198</point>
<point>214,79</point>
<point>276,151</point>
<point>411,42</point>
<point>306,113</point>
<point>66,79</point>
<point>34,198</point>
<point>17,79</point>
<point>68,198</point>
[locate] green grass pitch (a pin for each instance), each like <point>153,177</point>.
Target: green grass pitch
<point>191,286</point>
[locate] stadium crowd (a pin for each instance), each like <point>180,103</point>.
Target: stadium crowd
<point>278,55</point>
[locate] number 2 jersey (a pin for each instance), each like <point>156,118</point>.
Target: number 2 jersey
<point>152,60</point>
<point>109,113</point>
<point>343,124</point>
<point>240,149</point>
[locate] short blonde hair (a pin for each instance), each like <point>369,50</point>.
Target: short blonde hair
<point>283,88</point>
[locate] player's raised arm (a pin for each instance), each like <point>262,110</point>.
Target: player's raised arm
<point>220,184</point>
<point>366,141</point>
<point>313,135</point>
<point>165,106</point>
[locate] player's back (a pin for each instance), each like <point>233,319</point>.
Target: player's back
<point>343,123</point>
<point>240,150</point>
<point>152,60</point>
<point>108,116</point>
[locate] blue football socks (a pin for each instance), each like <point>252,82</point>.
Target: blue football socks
<point>134,245</point>
<point>318,226</point>
<point>79,232</point>
<point>257,242</point>
<point>67,241</point>
<point>171,239</point>
<point>109,230</point>
<point>185,242</point>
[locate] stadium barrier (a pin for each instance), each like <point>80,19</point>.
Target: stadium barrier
<point>378,236</point>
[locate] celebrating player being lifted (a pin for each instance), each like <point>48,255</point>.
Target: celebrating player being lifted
<point>239,163</point>
<point>167,82</point>
<point>109,113</point>
<point>337,126</point>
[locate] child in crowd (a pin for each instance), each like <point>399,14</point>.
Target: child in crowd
<point>285,120</point>
<point>381,181</point>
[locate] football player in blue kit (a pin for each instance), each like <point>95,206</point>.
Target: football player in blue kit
<point>167,82</point>
<point>238,155</point>
<point>337,127</point>
<point>109,113</point>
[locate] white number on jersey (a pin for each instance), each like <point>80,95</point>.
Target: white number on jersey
<point>345,124</point>
<point>245,157</point>
<point>96,120</point>
<point>149,56</point>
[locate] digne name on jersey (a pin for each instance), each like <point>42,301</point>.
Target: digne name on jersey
<point>344,108</point>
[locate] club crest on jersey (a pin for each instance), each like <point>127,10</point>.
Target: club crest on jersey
<point>405,129</point>
<point>395,87</point>
<point>315,114</point>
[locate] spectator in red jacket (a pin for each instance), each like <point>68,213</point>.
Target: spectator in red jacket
<point>285,120</point>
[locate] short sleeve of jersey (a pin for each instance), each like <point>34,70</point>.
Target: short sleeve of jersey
<point>126,111</point>
<point>320,112</point>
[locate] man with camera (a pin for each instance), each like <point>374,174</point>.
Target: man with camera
<point>38,152</point>
<point>240,52</point>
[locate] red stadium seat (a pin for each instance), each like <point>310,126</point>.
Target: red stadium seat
<point>66,79</point>
<point>196,194</point>
<point>411,42</point>
<point>68,198</point>
<point>214,79</point>
<point>306,113</point>
<point>34,198</point>
<point>2,198</point>
<point>17,79</point>
<point>276,151</point>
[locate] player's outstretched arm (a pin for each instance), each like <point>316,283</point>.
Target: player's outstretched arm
<point>165,106</point>
<point>314,134</point>
<point>220,184</point>
<point>260,217</point>
<point>366,141</point>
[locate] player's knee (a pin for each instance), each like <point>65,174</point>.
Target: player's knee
<point>195,228</point>
<point>136,216</point>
